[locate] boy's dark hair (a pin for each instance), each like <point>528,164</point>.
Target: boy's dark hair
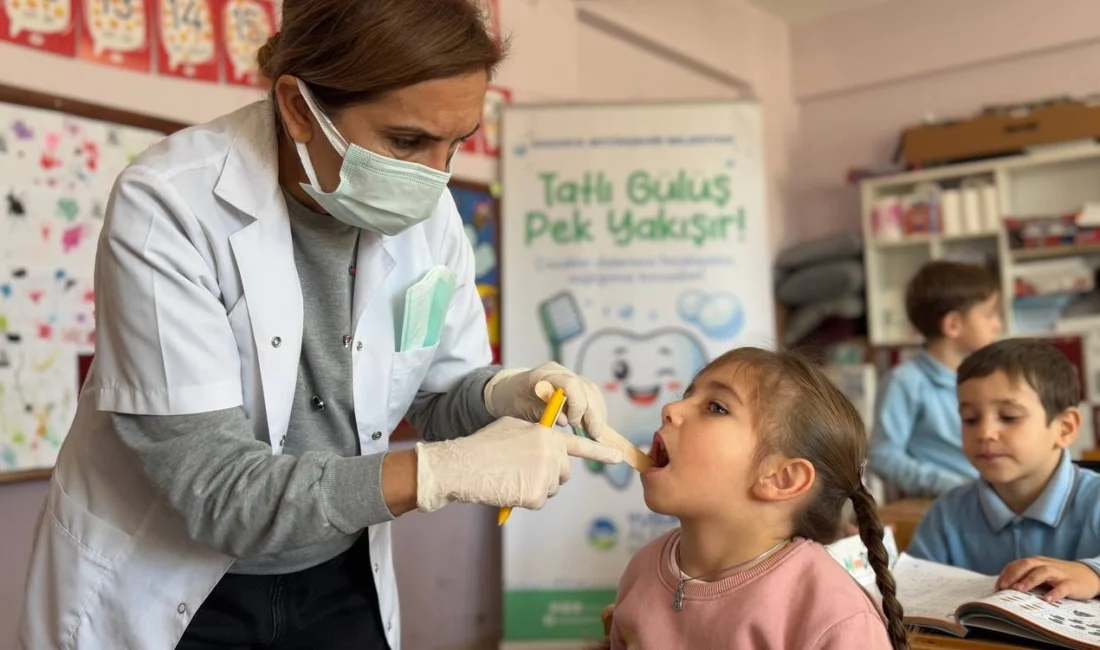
<point>942,287</point>
<point>1043,366</point>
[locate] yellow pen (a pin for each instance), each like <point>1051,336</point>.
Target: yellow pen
<point>549,417</point>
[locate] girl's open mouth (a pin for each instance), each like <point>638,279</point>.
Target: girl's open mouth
<point>658,452</point>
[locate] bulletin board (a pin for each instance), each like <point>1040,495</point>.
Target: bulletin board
<point>58,161</point>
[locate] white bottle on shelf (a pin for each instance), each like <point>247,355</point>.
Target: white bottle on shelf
<point>971,207</point>
<point>991,208</point>
<point>951,212</point>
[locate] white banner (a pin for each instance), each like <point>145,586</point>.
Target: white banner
<point>634,251</point>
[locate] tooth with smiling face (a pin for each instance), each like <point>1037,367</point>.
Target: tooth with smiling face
<point>638,374</point>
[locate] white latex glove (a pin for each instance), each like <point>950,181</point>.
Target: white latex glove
<point>508,463</point>
<point>511,392</point>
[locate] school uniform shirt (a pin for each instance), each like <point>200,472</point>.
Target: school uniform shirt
<point>800,597</point>
<point>971,527</point>
<point>916,441</point>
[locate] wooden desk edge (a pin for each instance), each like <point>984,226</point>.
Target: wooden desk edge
<point>930,641</point>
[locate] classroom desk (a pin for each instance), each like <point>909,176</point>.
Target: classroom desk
<point>919,641</point>
<point>904,516</point>
<point>924,641</point>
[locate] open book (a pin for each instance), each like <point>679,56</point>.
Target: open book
<point>951,600</point>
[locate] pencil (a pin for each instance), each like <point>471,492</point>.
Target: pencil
<point>549,417</point>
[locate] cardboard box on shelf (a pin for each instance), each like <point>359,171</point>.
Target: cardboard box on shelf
<point>998,132</point>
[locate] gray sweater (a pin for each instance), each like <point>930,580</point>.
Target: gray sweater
<point>285,513</point>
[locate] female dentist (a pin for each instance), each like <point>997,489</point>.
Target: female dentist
<point>275,291</point>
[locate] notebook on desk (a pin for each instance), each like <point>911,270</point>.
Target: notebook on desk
<point>953,601</point>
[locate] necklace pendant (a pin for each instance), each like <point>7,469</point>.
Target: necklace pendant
<point>678,598</point>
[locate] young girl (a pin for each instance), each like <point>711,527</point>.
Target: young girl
<point>756,461</point>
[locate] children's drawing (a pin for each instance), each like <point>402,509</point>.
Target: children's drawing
<point>638,374</point>
<point>45,24</point>
<point>485,254</point>
<point>187,37</point>
<point>116,27</point>
<point>478,210</point>
<point>477,206</point>
<point>248,24</point>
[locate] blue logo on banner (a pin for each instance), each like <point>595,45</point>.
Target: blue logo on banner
<point>602,534</point>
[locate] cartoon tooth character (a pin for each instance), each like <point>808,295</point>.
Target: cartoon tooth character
<point>638,374</point>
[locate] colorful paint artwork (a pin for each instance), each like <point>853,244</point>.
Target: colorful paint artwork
<point>56,175</point>
<point>49,306</point>
<point>478,208</point>
<point>38,389</point>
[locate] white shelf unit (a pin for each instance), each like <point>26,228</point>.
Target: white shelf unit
<point>1046,182</point>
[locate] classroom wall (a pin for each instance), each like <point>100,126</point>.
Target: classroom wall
<point>731,36</point>
<point>449,561</point>
<point>861,77</point>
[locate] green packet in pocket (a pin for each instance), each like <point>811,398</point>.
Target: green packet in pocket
<point>426,304</point>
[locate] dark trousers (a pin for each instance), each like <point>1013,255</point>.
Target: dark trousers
<point>332,606</point>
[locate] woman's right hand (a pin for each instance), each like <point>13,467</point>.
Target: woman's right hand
<point>511,462</point>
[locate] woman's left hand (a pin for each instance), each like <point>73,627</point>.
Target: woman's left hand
<point>512,393</point>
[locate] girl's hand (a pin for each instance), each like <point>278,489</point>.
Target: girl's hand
<point>1074,580</point>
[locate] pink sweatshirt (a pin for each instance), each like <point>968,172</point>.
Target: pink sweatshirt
<point>798,599</point>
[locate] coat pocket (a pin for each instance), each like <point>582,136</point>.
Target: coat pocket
<point>75,554</point>
<point>407,373</point>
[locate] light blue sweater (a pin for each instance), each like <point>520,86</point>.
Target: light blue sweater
<point>916,442</point>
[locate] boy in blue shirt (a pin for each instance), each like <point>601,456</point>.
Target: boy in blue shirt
<point>916,446</point>
<point>1034,517</point>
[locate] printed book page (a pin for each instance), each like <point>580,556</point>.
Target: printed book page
<point>1071,619</point>
<point>933,591</point>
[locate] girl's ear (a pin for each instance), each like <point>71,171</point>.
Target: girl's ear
<point>782,479</point>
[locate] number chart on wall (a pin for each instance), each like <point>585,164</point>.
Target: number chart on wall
<point>57,168</point>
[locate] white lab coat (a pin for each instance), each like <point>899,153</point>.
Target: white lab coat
<point>201,309</point>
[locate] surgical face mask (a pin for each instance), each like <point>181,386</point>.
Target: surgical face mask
<point>375,193</point>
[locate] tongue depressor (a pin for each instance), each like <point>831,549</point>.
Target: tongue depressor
<point>633,456</point>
